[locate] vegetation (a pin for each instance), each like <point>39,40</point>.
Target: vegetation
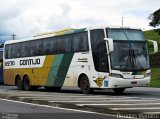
<point>155,69</point>
<point>155,18</point>
<point>155,77</point>
<point>152,35</point>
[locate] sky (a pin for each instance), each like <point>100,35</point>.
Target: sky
<point>26,18</point>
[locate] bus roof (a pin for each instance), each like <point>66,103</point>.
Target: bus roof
<point>65,32</point>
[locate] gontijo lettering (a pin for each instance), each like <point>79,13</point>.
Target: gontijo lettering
<point>30,61</point>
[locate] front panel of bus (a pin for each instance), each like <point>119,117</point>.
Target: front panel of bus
<point>127,66</point>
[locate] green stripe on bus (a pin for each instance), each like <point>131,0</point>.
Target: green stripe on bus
<point>54,70</point>
<point>63,69</point>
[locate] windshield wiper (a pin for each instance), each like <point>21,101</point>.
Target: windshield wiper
<point>132,57</point>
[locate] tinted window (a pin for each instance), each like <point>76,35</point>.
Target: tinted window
<point>36,48</point>
<point>10,51</point>
<point>97,36</point>
<point>80,42</point>
<point>100,57</point>
<point>16,51</point>
<point>61,45</point>
<point>125,34</point>
<point>6,51</point>
<point>49,45</point>
<point>68,43</point>
<point>25,49</point>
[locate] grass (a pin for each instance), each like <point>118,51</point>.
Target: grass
<point>152,35</point>
<point>155,77</point>
<point>155,71</point>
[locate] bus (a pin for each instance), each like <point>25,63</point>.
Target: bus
<point>1,65</point>
<point>108,57</point>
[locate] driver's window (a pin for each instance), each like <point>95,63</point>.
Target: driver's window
<point>100,58</point>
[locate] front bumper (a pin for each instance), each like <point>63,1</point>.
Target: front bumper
<point>112,82</point>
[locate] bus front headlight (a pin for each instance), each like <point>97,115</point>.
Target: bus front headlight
<point>147,74</point>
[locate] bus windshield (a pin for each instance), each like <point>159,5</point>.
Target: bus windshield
<point>130,50</point>
<point>130,56</point>
<point>125,34</point>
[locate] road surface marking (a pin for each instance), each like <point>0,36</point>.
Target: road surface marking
<point>151,113</point>
<point>76,110</point>
<point>113,104</point>
<point>102,101</point>
<point>56,96</point>
<point>80,98</point>
<point>137,108</point>
<point>74,101</point>
<point>67,97</point>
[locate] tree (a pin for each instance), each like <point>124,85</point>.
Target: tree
<point>155,17</point>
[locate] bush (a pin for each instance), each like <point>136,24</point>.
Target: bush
<point>155,60</point>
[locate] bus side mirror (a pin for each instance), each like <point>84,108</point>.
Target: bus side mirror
<point>109,44</point>
<point>155,45</point>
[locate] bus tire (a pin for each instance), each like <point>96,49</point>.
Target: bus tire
<point>84,85</point>
<point>19,83</point>
<point>118,90</point>
<point>26,83</point>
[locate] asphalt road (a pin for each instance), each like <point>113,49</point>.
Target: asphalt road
<point>18,110</point>
<point>138,103</point>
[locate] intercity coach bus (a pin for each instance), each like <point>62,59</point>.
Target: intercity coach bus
<point>112,57</point>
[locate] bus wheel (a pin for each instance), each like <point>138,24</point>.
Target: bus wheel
<point>118,90</point>
<point>84,85</point>
<point>19,83</point>
<point>26,83</point>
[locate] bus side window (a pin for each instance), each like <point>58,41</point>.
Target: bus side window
<point>48,46</point>
<point>6,51</point>
<point>36,48</point>
<point>84,42</point>
<point>16,52</point>
<point>32,49</point>
<point>53,45</point>
<point>68,42</point>
<point>80,42</point>
<point>40,47</point>
<point>24,49</point>
<point>61,46</point>
<point>10,51</point>
<point>76,42</point>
